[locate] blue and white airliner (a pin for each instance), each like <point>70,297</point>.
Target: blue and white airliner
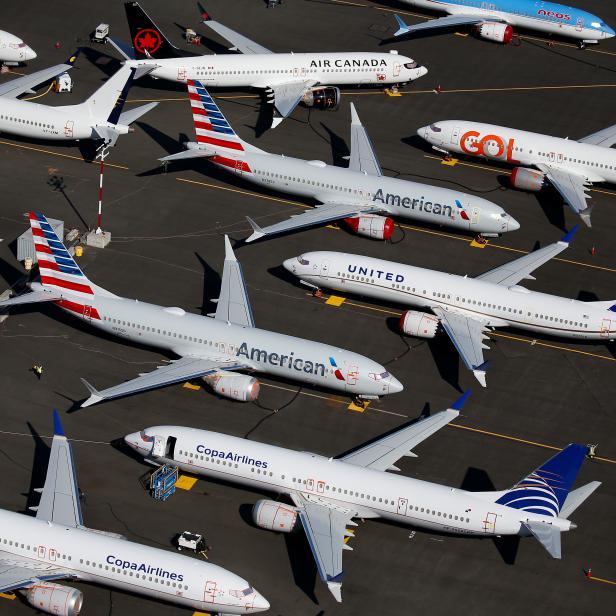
<point>495,20</point>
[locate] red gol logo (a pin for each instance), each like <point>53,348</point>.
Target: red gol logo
<point>147,40</point>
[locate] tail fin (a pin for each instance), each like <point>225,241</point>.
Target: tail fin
<point>146,36</point>
<point>545,490</point>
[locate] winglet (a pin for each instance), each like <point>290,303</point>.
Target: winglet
<point>73,57</point>
<point>335,586</point>
<point>459,403</point>
<point>58,429</point>
<point>403,28</point>
<point>257,232</point>
<point>354,117</point>
<point>569,236</point>
<point>95,395</point>
<point>229,254</point>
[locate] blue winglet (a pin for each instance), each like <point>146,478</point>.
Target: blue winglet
<point>401,24</point>
<point>58,429</point>
<point>459,403</point>
<point>567,238</point>
<point>335,578</point>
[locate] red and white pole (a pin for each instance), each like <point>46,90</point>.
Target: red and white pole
<point>100,192</point>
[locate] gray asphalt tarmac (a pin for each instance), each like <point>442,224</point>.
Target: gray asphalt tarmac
<point>167,248</point>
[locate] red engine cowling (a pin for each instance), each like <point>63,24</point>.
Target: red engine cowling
<point>501,33</point>
<point>322,98</point>
<point>235,386</point>
<point>271,515</point>
<point>55,599</point>
<point>526,179</point>
<point>371,225</point>
<point>419,324</point>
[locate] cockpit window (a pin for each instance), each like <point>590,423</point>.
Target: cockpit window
<point>379,377</point>
<point>242,593</point>
<point>596,24</point>
<point>303,261</point>
<point>411,65</point>
<point>435,128</point>
<point>145,438</point>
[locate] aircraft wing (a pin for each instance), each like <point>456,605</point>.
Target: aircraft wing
<point>325,526</point>
<point>20,572</point>
<point>233,305</point>
<point>239,41</point>
<point>382,454</point>
<point>605,138</point>
<point>176,371</point>
<point>363,157</point>
<point>320,214</point>
<point>572,188</point>
<point>287,96</point>
<point>21,85</point>
<point>467,335</point>
<point>60,496</point>
<point>511,273</point>
<point>450,21</point>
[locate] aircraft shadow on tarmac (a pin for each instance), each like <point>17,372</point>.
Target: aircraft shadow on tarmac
<point>39,469</point>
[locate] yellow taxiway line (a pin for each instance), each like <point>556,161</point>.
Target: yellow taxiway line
<point>598,579</point>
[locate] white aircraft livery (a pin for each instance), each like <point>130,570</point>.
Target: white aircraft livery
<point>328,493</point>
<point>99,117</point>
<point>360,194</point>
<point>37,552</point>
<point>569,165</point>
<point>465,308</point>
<point>211,348</point>
<point>13,50</point>
<point>288,78</point>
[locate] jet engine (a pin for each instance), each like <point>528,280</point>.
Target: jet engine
<point>235,386</point>
<point>526,179</point>
<point>371,225</point>
<point>271,515</point>
<point>419,324</point>
<point>501,33</point>
<point>322,98</point>
<point>55,599</point>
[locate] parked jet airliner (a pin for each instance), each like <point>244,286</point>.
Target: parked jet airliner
<point>288,78</point>
<point>569,165</point>
<point>328,493</point>
<point>13,50</point>
<point>210,348</point>
<point>359,195</point>
<point>37,552</point>
<point>495,20</point>
<point>466,308</point>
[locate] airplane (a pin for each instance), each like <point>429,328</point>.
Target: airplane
<point>328,493</point>
<point>465,308</point>
<point>36,552</point>
<point>496,19</point>
<point>360,194</point>
<point>209,348</point>
<point>13,50</point>
<point>287,78</point>
<point>569,165</point>
<point>100,116</point>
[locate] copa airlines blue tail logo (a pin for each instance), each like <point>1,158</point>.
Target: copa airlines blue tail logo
<point>337,372</point>
<point>535,494</point>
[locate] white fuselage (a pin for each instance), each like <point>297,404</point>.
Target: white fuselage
<point>113,562</point>
<point>370,493</point>
<point>263,70</point>
<point>399,198</point>
<point>13,50</point>
<point>193,335</point>
<point>522,148</point>
<point>422,288</point>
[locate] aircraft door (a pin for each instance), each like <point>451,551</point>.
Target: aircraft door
<point>489,524</point>
<point>68,129</point>
<point>455,135</point>
<point>310,485</point>
<point>320,487</point>
<point>325,268</point>
<point>209,594</point>
<point>158,449</point>
<point>41,552</point>
<point>606,325</point>
<point>181,73</point>
<point>474,216</point>
<point>87,313</point>
<point>52,554</point>
<point>579,24</point>
<point>170,447</point>
<point>239,166</point>
<point>352,375</point>
<point>402,506</point>
<point>396,69</point>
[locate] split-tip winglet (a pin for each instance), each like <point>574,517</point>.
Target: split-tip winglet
<point>569,236</point>
<point>459,403</point>
<point>257,232</point>
<point>94,395</point>
<point>73,57</point>
<point>403,28</point>
<point>58,429</point>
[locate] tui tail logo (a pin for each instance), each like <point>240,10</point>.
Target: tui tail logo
<point>147,40</point>
<point>337,372</point>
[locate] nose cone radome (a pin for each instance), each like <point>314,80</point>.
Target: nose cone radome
<point>29,53</point>
<point>132,440</point>
<point>609,32</point>
<point>512,223</point>
<point>290,264</point>
<point>260,603</point>
<point>395,386</point>
<point>423,132</point>
<point>421,71</point>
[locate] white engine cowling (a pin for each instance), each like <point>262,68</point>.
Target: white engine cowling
<point>271,515</point>
<point>526,179</point>
<point>371,225</point>
<point>235,386</point>
<point>419,324</point>
<point>55,599</point>
<point>501,33</point>
<point>322,98</point>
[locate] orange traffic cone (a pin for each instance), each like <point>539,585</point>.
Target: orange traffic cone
<point>589,573</point>
<point>593,251</point>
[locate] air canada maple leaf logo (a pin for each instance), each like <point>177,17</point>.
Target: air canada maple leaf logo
<point>147,40</point>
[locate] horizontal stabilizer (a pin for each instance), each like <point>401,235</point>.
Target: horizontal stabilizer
<point>186,154</point>
<point>123,48</point>
<point>547,535</point>
<point>576,497</point>
<point>128,117</point>
<point>30,298</point>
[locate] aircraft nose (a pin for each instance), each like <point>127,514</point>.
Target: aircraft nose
<point>260,603</point>
<point>289,265</point>
<point>395,386</point>
<point>422,70</point>
<point>132,440</point>
<point>512,224</point>
<point>423,132</point>
<point>30,53</point>
<point>609,32</point>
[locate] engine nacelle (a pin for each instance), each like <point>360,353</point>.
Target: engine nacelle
<point>526,179</point>
<point>55,599</point>
<point>235,386</point>
<point>501,33</point>
<point>271,515</point>
<point>419,324</point>
<point>371,225</point>
<point>322,98</point>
